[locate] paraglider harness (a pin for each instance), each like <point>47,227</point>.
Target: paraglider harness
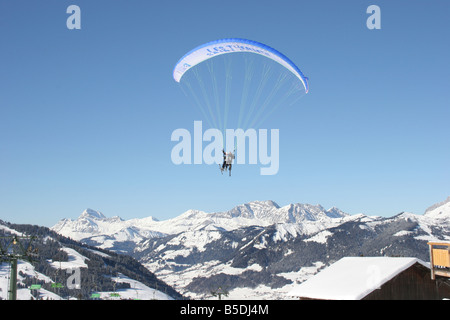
<point>227,160</point>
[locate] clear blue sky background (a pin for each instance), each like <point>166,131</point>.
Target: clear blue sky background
<point>86,115</point>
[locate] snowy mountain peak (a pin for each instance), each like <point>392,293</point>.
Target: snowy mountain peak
<point>89,213</point>
<point>439,210</point>
<point>335,213</point>
<point>254,209</point>
<point>307,212</point>
<point>266,203</point>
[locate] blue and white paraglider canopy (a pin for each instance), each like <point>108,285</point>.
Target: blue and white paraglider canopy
<point>224,46</point>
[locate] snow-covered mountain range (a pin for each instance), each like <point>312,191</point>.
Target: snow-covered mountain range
<point>258,249</point>
<point>94,227</point>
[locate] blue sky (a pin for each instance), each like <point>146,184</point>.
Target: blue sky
<point>86,115</point>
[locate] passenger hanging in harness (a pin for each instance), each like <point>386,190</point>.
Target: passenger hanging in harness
<point>227,161</point>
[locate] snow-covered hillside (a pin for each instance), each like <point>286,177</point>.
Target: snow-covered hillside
<point>440,210</point>
<point>65,269</point>
<point>136,290</point>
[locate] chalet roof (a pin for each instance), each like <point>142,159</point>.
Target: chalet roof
<point>352,278</point>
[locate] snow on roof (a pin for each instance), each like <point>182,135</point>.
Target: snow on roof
<point>352,278</point>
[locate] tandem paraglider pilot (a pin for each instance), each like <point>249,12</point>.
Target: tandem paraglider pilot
<point>227,160</point>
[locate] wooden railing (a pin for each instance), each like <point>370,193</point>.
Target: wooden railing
<point>439,259</point>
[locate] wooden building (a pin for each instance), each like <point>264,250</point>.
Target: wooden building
<point>439,259</point>
<point>374,278</point>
